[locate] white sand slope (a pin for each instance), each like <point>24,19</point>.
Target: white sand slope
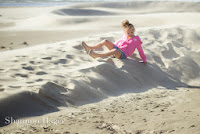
<point>62,74</point>
<point>46,78</point>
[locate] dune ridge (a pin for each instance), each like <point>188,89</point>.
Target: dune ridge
<point>143,6</point>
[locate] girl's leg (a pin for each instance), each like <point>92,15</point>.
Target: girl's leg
<point>107,43</point>
<point>114,52</point>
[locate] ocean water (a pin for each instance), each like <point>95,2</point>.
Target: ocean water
<point>65,2</point>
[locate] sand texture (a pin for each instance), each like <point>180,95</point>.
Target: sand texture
<point>49,84</point>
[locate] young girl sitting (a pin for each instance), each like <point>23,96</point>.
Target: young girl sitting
<point>122,48</point>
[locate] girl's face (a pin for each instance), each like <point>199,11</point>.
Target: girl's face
<point>129,32</point>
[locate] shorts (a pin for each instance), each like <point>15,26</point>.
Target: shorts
<point>123,56</point>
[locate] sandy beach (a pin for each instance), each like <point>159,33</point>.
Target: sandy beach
<point>49,84</point>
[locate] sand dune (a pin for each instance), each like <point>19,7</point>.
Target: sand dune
<point>82,12</point>
<point>145,6</point>
<point>63,75</point>
<point>40,79</point>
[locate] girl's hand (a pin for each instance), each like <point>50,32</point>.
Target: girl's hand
<point>143,62</point>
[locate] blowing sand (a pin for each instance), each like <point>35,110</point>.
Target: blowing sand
<point>49,84</point>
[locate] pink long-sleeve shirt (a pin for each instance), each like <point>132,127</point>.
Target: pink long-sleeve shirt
<point>128,45</point>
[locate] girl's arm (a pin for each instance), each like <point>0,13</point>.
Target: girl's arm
<point>141,52</point>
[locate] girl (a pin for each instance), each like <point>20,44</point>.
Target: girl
<point>123,48</point>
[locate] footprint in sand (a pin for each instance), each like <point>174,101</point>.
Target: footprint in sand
<point>47,58</point>
<point>15,60</point>
<point>38,80</point>
<point>19,56</point>
<point>41,73</point>
<point>22,75</point>
<point>32,62</point>
<point>60,50</point>
<point>1,88</point>
<point>69,56</point>
<point>2,47</point>
<point>14,86</point>
<point>30,82</point>
<point>61,61</point>
<point>29,68</point>
<point>25,43</point>
<point>60,76</point>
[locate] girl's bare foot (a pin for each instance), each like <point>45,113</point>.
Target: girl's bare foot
<point>92,54</point>
<point>86,47</point>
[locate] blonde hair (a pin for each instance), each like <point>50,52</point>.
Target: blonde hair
<point>127,25</point>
